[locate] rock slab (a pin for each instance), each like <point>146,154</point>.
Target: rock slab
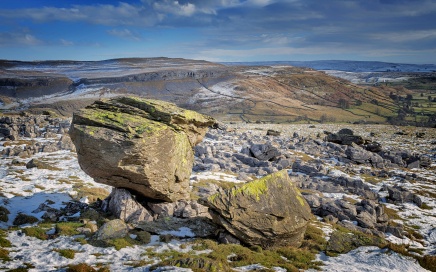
<point>268,212</point>
<point>139,144</point>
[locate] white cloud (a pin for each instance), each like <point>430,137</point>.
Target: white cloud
<point>18,38</point>
<point>66,42</point>
<point>405,36</point>
<point>174,7</point>
<point>123,14</point>
<point>124,33</point>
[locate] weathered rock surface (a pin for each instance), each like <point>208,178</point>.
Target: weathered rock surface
<point>268,212</point>
<point>199,227</point>
<point>122,205</point>
<point>139,144</point>
<point>111,230</point>
<point>344,137</point>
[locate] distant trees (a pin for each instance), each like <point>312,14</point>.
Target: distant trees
<point>343,104</point>
<point>324,119</point>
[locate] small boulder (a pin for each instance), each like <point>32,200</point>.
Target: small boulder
<point>111,230</point>
<point>268,212</point>
<point>271,132</point>
<point>264,152</point>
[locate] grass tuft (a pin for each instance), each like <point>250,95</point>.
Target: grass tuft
<point>67,253</point>
<point>68,228</point>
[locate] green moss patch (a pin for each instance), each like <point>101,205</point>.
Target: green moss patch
<point>4,255</point>
<point>118,243</point>
<point>68,228</point>
<point>343,240</point>
<point>36,232</point>
<point>224,257</point>
<point>67,253</point>
<point>4,242</point>
<point>4,214</point>
<point>81,267</point>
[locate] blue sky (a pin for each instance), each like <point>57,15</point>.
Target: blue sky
<point>220,30</point>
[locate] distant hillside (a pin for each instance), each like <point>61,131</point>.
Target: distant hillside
<point>250,93</point>
<point>347,65</point>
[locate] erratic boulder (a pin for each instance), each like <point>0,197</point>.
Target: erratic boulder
<point>268,212</point>
<point>140,144</point>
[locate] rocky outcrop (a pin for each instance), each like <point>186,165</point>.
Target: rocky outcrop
<point>344,137</point>
<point>139,144</point>
<point>267,212</point>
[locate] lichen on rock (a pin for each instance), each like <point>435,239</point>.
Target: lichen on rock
<point>139,144</point>
<point>268,212</point>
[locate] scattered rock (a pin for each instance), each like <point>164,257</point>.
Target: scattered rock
<point>344,137</point>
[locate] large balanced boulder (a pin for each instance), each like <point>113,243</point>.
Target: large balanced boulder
<point>142,145</point>
<point>268,212</point>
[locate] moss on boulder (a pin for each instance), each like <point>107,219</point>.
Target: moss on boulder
<point>268,212</point>
<point>139,144</point>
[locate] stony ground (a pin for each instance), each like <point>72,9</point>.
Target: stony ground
<point>394,203</point>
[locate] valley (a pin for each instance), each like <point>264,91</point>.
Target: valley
<point>249,93</point>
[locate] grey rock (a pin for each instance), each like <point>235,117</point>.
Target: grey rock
<point>122,205</point>
<point>365,220</point>
<point>200,226</point>
<point>267,212</point>
<point>227,238</point>
<point>264,152</point>
<point>111,230</point>
<point>165,209</point>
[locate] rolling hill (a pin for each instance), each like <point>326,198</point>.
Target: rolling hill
<point>250,93</point>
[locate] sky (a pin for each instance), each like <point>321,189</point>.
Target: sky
<point>401,31</point>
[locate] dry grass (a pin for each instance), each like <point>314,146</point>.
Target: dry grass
<point>93,193</point>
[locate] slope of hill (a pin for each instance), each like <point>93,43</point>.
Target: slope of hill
<point>278,93</point>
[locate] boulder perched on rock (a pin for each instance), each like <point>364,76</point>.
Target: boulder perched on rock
<point>139,144</point>
<point>267,212</point>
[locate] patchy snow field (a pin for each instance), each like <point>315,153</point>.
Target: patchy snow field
<point>23,190</point>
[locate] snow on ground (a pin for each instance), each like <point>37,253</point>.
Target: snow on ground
<point>369,259</point>
<point>42,255</point>
<point>224,88</point>
<point>28,204</point>
<point>219,176</point>
<point>25,189</point>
